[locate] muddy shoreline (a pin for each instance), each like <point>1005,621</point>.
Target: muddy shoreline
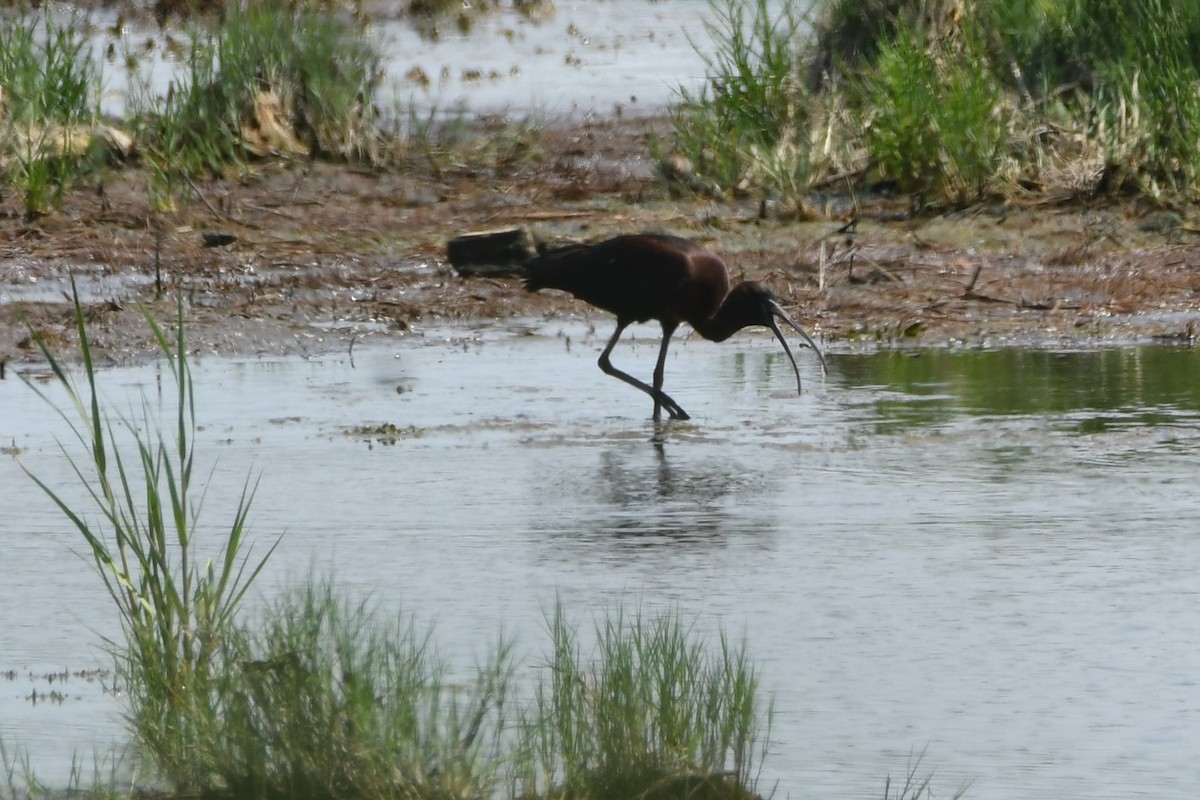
<point>322,255</point>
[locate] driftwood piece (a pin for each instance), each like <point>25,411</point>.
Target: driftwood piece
<point>499,253</point>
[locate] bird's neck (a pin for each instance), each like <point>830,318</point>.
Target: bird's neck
<point>728,320</point>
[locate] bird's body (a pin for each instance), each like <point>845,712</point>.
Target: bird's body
<point>673,280</point>
<point>638,278</point>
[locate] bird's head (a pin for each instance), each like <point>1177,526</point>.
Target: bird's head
<point>757,305</point>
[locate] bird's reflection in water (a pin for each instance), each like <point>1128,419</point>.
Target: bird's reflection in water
<point>662,492</point>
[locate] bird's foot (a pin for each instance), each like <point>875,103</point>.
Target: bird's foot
<point>677,413</point>
<point>671,406</point>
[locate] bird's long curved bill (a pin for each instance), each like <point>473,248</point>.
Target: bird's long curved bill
<point>808,342</point>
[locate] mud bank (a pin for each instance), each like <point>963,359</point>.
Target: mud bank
<point>315,256</point>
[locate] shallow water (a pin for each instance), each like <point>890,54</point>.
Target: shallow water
<point>992,556</point>
<point>613,56</point>
<point>595,57</point>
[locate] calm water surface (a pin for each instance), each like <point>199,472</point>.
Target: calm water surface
<point>588,58</point>
<point>990,556</point>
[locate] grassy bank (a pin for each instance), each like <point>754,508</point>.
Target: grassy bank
<point>943,102</point>
<point>257,85</point>
<point>948,102</point>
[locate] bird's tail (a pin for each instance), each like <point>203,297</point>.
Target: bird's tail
<point>533,268</point>
<point>539,268</point>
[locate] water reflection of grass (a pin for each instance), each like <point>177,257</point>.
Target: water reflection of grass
<point>937,385</point>
<point>321,696</point>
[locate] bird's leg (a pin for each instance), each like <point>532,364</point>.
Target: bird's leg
<point>678,413</point>
<point>660,397</point>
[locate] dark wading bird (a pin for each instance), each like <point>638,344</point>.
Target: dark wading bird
<point>673,280</point>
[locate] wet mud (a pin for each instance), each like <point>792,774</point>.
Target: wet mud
<point>312,257</point>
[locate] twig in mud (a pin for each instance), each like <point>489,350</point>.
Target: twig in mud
<point>970,290</point>
<point>546,215</point>
<point>1048,305</point>
<point>270,210</point>
<point>848,177</point>
<point>204,199</point>
<point>849,230</point>
<point>158,287</point>
<point>876,269</point>
<point>821,269</point>
<point>299,180</point>
<point>353,339</point>
<point>969,293</point>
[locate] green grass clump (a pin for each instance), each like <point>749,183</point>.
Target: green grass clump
<point>318,699</point>
<point>653,713</point>
<point>951,100</point>
<point>1062,44</point>
<point>934,122</point>
<point>48,94</point>
<point>46,72</point>
<point>321,698</point>
<point>1147,109</point>
<point>751,112</point>
<point>849,34</point>
<point>1124,75</point>
<point>271,79</point>
<point>190,131</point>
<point>455,146</point>
<point>320,67</point>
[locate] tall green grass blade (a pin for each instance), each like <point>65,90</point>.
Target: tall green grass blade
<point>173,612</point>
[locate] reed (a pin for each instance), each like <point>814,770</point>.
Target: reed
<point>176,603</point>
<point>915,784</point>
<point>19,782</point>
<point>654,712</point>
<point>48,94</point>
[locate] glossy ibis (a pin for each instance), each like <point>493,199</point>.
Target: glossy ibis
<point>673,280</point>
